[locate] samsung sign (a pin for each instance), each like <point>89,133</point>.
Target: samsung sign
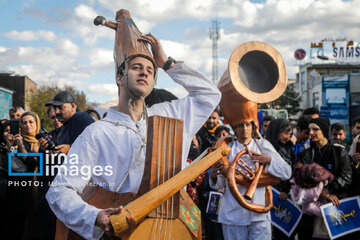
<point>346,52</point>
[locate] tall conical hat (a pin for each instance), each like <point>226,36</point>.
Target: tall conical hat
<point>127,44</point>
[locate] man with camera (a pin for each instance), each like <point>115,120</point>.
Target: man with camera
<point>74,123</point>
<point>57,125</point>
<point>52,138</point>
<point>68,125</point>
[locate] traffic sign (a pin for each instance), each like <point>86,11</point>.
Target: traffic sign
<point>300,54</point>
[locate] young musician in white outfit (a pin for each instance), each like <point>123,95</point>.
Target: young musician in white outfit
<point>117,144</point>
<point>238,222</point>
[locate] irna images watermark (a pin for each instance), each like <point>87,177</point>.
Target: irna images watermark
<point>61,164</point>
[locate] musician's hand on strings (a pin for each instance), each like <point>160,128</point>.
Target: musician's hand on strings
<point>263,159</point>
<point>103,219</point>
<point>156,48</point>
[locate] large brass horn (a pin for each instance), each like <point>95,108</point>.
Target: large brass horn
<point>256,74</point>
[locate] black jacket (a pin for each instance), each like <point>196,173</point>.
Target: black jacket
<point>208,139</point>
<point>334,158</point>
<point>285,150</point>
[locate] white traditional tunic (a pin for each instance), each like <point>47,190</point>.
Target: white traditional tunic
<point>231,213</point>
<point>114,148</point>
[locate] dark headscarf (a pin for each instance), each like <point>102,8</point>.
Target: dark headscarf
<point>324,124</point>
<point>272,133</point>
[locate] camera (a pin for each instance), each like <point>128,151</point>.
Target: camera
<point>44,134</point>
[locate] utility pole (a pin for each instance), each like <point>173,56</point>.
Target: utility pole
<point>214,35</point>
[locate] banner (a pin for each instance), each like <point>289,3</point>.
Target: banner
<point>213,205</point>
<point>342,220</point>
<point>335,91</point>
<point>285,215</point>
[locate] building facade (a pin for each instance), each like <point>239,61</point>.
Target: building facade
<point>5,102</point>
<point>21,86</point>
<point>333,88</point>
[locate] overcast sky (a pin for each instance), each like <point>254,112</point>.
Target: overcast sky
<point>56,41</point>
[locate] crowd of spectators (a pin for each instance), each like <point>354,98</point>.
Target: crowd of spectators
<point>25,213</point>
<point>311,143</point>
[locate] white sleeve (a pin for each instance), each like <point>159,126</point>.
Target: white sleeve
<point>63,195</point>
<point>195,108</point>
<point>278,167</point>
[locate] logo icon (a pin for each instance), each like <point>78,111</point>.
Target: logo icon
<point>15,153</point>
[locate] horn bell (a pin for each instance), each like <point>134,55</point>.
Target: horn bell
<point>256,74</point>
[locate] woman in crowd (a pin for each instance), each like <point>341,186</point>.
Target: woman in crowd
<point>30,126</point>
<point>278,134</point>
<point>21,199</point>
<point>4,130</point>
<point>25,140</point>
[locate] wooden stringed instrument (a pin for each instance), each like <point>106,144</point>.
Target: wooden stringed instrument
<point>158,210</point>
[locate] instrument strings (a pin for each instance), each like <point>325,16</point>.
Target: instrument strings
<point>165,141</point>
<point>173,174</point>
<point>168,164</point>
<point>158,175</point>
<point>166,159</point>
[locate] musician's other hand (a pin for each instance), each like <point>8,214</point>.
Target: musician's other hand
<point>283,196</point>
<point>156,48</point>
<point>216,170</point>
<point>263,159</point>
<point>103,219</point>
<point>64,148</point>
